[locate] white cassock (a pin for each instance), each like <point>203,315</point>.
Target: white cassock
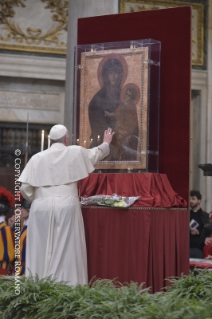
<point>55,235</point>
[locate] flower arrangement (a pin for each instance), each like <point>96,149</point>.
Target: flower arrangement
<point>109,200</point>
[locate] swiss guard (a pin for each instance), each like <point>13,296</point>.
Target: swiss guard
<point>25,207</point>
<point>7,250</point>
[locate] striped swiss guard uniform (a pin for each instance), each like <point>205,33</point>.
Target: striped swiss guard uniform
<point>7,250</point>
<point>22,258</point>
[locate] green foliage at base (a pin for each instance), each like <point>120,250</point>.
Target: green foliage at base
<point>188,298</point>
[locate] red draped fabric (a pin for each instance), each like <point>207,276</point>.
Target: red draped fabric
<point>154,189</point>
<point>142,243</point>
<point>136,245</point>
<point>146,244</point>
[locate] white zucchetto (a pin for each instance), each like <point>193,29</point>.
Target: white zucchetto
<point>57,131</point>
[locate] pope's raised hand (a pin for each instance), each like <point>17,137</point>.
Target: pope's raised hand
<point>108,135</point>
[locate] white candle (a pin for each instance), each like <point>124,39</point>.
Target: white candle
<point>78,141</point>
<point>98,139</point>
<point>48,141</point>
<point>42,140</point>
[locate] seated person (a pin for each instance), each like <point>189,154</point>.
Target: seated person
<point>200,218</point>
<point>207,232</point>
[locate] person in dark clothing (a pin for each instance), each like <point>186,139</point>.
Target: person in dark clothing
<point>201,218</point>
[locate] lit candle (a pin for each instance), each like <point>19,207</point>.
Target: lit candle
<point>48,141</point>
<point>91,142</point>
<point>42,140</point>
<point>78,141</point>
<point>98,139</point>
<point>84,143</point>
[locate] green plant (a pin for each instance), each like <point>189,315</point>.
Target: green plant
<point>186,298</point>
<point>197,285</point>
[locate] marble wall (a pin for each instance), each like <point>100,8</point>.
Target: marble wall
<point>32,83</point>
<point>43,99</point>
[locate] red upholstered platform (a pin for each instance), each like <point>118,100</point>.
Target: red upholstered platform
<point>200,263</point>
<point>142,244</point>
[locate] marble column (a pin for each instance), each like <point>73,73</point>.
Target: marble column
<point>209,115</point>
<point>80,9</point>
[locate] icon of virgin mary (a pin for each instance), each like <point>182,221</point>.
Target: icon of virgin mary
<point>112,73</point>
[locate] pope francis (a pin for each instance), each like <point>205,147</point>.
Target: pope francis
<point>55,237</point>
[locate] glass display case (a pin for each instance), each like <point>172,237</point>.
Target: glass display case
<point>117,85</point>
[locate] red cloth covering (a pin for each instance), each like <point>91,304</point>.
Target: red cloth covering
<point>141,245</point>
<point>146,245</point>
<point>207,250</point>
<point>154,189</point>
<point>136,244</point>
